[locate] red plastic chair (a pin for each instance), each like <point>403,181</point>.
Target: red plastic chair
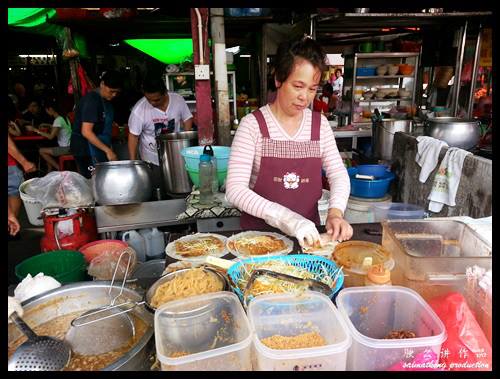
<point>63,159</point>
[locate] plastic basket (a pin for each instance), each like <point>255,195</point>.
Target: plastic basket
<point>312,263</point>
<point>195,176</point>
<point>33,207</point>
<point>66,266</point>
<point>93,249</point>
<point>192,154</point>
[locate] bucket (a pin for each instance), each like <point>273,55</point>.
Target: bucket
<point>195,176</point>
<point>171,161</point>
<point>360,210</point>
<point>66,266</point>
<point>192,156</point>
<point>383,135</point>
<point>32,206</point>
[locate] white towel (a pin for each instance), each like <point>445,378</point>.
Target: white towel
<point>447,179</point>
<point>427,155</point>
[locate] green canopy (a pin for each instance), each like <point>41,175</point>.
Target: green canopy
<point>168,51</point>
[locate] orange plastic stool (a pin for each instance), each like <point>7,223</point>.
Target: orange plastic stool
<point>63,159</point>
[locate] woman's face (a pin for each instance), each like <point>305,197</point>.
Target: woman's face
<point>299,89</point>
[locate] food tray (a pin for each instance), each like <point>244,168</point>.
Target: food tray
<point>170,249</point>
<point>288,242</point>
<point>314,264</point>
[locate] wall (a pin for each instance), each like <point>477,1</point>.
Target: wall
<point>474,194</point>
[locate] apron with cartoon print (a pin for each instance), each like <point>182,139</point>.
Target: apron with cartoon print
<point>290,174</point>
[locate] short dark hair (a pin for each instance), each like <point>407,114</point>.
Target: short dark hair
<point>112,79</point>
<point>338,70</point>
<point>305,48</point>
<point>153,84</point>
<point>51,102</point>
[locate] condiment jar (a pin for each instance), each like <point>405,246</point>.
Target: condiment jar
<point>378,275</point>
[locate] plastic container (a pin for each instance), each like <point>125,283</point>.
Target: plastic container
<point>191,326</point>
<point>192,154</point>
<point>31,205</point>
<point>378,275</point>
<point>137,242</point>
<point>206,176</point>
<point>195,177</point>
<point>323,206</point>
<point>376,188</point>
<point>289,315</point>
<point>371,313</point>
<point>398,211</point>
<point>432,256</point>
<point>93,249</point>
<point>357,257</point>
<point>66,266</point>
<point>155,243</point>
<point>360,210</point>
<point>366,71</point>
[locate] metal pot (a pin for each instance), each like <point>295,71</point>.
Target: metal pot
<point>84,296</point>
<point>456,132</point>
<point>122,182</point>
<point>383,135</point>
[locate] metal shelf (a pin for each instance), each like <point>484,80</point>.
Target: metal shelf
<point>384,77</point>
<point>386,55</point>
<point>384,100</point>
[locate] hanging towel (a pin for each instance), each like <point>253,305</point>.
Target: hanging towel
<point>447,179</point>
<point>428,155</point>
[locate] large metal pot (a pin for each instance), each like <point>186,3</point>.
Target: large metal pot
<point>122,182</point>
<point>84,296</point>
<point>456,132</point>
<point>383,135</point>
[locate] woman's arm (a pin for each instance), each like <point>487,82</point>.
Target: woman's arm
<point>14,129</point>
<point>51,135</point>
<point>88,133</point>
<point>19,157</point>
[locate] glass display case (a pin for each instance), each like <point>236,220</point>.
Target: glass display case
<point>386,81</point>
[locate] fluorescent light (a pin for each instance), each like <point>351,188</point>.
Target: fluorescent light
<point>245,56</point>
<point>35,56</point>
<point>234,50</point>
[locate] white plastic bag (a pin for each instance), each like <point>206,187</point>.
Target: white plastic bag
<point>61,189</point>
<point>32,286</point>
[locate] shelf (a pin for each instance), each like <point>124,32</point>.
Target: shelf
<point>194,101</point>
<point>386,55</point>
<point>383,100</point>
<point>384,77</point>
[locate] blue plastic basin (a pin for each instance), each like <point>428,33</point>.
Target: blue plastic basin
<point>370,189</point>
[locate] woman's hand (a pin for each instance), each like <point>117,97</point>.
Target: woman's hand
<point>110,154</point>
<point>338,228</point>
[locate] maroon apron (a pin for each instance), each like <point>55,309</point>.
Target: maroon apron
<point>290,174</point>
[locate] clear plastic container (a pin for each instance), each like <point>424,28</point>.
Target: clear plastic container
<point>292,315</point>
<point>432,255</point>
<point>371,313</point>
<point>378,275</point>
<point>203,333</point>
<point>399,211</point>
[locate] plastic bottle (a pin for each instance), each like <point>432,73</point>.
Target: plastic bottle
<point>378,275</point>
<point>137,242</point>
<point>206,180</point>
<point>157,245</point>
<point>146,233</point>
<point>215,181</point>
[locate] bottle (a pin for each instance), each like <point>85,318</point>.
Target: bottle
<point>215,181</point>
<point>206,180</point>
<point>378,275</point>
<point>157,245</point>
<point>137,242</point>
<point>146,233</point>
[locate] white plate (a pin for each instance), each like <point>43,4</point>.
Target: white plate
<point>170,249</point>
<point>288,242</point>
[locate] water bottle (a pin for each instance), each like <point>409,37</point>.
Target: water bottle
<point>206,180</point>
<point>215,181</point>
<point>137,242</point>
<point>157,245</point>
<point>146,233</point>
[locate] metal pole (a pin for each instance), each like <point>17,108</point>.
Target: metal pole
<point>475,69</point>
<point>458,72</point>
<point>220,72</point>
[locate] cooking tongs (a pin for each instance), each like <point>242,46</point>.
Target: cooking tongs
<point>311,284</point>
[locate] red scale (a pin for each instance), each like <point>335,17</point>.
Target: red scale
<point>84,230</point>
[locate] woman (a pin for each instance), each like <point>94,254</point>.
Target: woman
<point>61,128</point>
<point>278,152</point>
<point>337,82</point>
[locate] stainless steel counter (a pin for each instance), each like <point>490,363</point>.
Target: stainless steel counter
<point>136,216</point>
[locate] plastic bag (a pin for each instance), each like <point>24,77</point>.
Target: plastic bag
<point>32,286</point>
<point>61,189</point>
<point>466,348</point>
<point>103,266</point>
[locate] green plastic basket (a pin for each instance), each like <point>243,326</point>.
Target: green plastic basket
<point>66,266</point>
<point>195,177</point>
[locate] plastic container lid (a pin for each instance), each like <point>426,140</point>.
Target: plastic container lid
<point>378,274</point>
<point>352,255</point>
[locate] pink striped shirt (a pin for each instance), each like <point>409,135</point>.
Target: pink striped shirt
<point>246,153</point>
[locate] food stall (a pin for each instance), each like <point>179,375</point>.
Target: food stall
<point>148,284</point>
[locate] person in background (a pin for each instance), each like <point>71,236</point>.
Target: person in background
<point>337,82</point>
<point>156,113</point>
<point>15,175</point>
<point>11,112</point>
<point>61,128</point>
<point>33,116</point>
<point>91,132</point>
<point>278,152</point>
<point>12,222</point>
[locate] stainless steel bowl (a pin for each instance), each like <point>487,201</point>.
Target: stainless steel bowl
<point>456,132</point>
<point>122,182</point>
<point>84,296</point>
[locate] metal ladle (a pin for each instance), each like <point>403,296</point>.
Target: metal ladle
<point>38,353</point>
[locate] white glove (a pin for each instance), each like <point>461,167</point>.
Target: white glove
<point>14,306</point>
<point>292,224</point>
